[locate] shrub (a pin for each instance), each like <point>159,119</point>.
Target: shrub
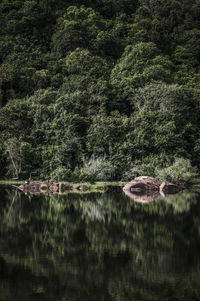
<point>147,167</point>
<point>136,170</point>
<point>97,169</point>
<point>180,172</point>
<point>61,174</point>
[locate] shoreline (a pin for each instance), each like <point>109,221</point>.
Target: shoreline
<point>64,187</point>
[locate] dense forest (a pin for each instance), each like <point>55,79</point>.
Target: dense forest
<point>99,90</point>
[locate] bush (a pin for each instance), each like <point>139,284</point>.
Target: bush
<point>180,172</point>
<point>61,174</point>
<point>136,170</point>
<point>97,169</point>
<point>147,167</point>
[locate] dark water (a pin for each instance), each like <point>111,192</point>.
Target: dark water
<point>101,246</point>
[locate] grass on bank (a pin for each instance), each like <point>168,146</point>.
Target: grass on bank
<point>94,185</point>
<point>11,182</point>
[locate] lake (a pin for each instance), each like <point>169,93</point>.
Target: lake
<point>99,246</point>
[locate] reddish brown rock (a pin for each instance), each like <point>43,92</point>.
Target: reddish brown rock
<point>36,187</point>
<point>142,184</point>
<point>146,189</point>
<point>49,187</point>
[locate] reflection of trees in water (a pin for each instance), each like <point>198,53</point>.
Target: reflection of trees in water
<point>99,210</point>
<point>183,201</point>
<point>12,209</point>
<point>184,287</point>
<point>77,244</point>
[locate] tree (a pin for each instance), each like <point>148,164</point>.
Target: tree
<point>139,65</point>
<point>78,27</point>
<point>82,62</point>
<point>16,151</point>
<point>165,119</point>
<point>166,21</point>
<point>186,57</point>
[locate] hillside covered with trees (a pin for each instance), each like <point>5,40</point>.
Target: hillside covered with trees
<point>98,90</point>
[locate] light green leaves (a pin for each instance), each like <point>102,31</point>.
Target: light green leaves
<point>138,65</point>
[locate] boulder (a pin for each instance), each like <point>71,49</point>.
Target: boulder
<point>142,184</point>
<point>146,189</point>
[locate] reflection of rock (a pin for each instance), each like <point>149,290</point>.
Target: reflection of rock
<point>141,197</point>
<point>182,201</point>
<point>146,198</point>
<point>33,187</point>
<point>169,188</point>
<point>82,188</point>
<point>147,189</point>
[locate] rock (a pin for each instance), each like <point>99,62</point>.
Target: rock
<point>168,188</point>
<point>54,187</point>
<point>142,184</point>
<point>36,187</point>
<point>146,189</point>
<point>49,187</point>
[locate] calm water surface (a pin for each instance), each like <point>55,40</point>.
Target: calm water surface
<point>99,246</point>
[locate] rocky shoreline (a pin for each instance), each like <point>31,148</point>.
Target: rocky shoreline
<point>50,187</point>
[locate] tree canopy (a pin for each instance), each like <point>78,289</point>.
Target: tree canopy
<point>109,83</point>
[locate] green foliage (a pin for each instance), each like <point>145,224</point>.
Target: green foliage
<point>131,71</point>
<point>106,133</point>
<point>6,73</point>
<point>97,169</point>
<point>88,79</point>
<point>82,62</point>
<point>181,172</point>
<point>165,119</point>
<point>139,64</point>
<point>61,173</point>
<point>148,166</point>
<point>78,27</point>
